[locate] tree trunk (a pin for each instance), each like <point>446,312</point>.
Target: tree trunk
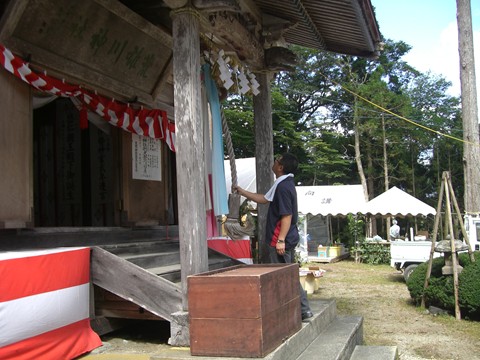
<point>358,157</point>
<point>413,160</point>
<point>471,156</point>
<point>385,171</point>
<point>370,184</point>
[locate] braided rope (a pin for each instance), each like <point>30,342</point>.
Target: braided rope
<point>231,153</point>
<point>232,225</point>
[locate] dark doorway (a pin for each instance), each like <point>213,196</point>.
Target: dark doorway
<point>73,181</point>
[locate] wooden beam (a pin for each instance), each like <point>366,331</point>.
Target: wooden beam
<point>278,58</point>
<point>122,278</point>
<point>189,145</point>
<point>175,4</point>
<point>236,36</point>
<point>251,11</point>
<point>274,29</point>
<point>113,306</point>
<point>216,5</point>
<point>163,79</point>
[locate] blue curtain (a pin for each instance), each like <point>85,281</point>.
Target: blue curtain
<point>220,197</point>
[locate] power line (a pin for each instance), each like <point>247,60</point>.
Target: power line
<point>399,116</point>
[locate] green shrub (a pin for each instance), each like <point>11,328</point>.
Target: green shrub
<point>373,253</point>
<point>464,258</point>
<point>440,291</point>
<point>416,280</point>
<point>469,287</point>
<point>354,231</point>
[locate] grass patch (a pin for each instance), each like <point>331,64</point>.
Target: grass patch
<point>380,295</point>
<point>345,306</point>
<point>465,327</point>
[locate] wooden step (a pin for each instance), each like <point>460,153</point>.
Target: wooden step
<point>172,272</point>
<point>141,247</point>
<point>140,280</point>
<point>151,260</point>
<point>169,272</point>
<point>83,236</point>
<point>162,270</point>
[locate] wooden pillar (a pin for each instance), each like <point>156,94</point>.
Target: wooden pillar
<point>262,107</point>
<point>189,145</point>
<point>16,153</point>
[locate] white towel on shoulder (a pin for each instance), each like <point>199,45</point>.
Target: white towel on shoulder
<point>271,193</point>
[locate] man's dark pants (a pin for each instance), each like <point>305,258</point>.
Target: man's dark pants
<point>288,258</point>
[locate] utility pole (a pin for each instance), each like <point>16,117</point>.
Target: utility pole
<point>471,148</point>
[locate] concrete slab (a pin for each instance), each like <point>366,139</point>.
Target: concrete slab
<point>338,341</point>
<point>116,356</point>
<point>363,352</point>
<point>324,311</point>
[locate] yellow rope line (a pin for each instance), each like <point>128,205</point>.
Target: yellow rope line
<point>399,116</point>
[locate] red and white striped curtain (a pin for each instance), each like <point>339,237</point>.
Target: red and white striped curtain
<point>45,304</point>
<point>152,123</point>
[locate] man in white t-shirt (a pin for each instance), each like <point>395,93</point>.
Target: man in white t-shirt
<point>394,231</point>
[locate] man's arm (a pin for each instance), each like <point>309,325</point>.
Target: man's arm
<point>285,223</point>
<point>258,198</point>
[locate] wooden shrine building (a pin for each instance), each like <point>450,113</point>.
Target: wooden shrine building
<point>102,133</point>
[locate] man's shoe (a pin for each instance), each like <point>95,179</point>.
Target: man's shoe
<point>306,315</point>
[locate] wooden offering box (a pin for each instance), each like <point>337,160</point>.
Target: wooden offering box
<point>244,310</point>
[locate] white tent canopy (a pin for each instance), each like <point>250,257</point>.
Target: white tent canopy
<point>395,202</point>
<point>315,200</point>
<point>336,199</point>
<point>332,200</point>
<point>246,174</point>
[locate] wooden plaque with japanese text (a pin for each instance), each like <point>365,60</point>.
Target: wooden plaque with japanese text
<point>99,43</point>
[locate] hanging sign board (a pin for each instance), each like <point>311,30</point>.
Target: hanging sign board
<point>97,42</point>
<point>146,158</point>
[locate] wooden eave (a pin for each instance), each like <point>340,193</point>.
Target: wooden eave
<point>346,27</point>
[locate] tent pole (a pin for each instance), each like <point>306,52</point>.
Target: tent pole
<point>330,230</point>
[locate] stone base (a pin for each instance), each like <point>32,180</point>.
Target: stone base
<point>179,329</point>
<point>448,269</point>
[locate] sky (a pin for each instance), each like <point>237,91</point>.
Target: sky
<point>430,28</point>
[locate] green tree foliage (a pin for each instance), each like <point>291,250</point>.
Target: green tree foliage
<point>384,88</point>
<point>315,118</point>
<point>434,108</point>
<point>303,123</point>
<point>239,114</point>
